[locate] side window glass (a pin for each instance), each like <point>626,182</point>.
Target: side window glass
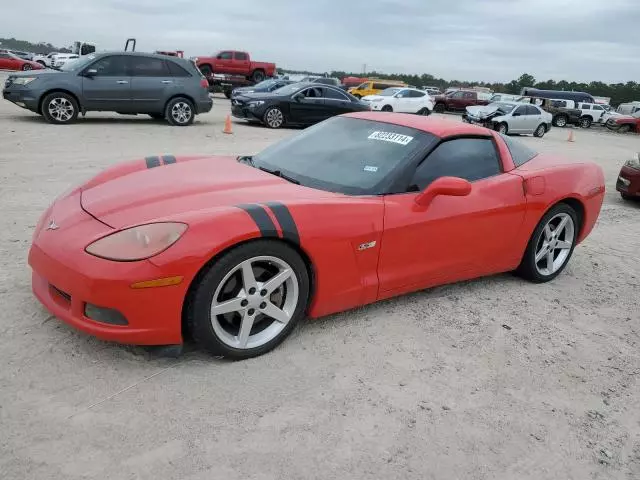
<point>531,110</point>
<point>457,95</point>
<point>416,94</point>
<point>176,70</point>
<point>240,56</point>
<point>112,66</point>
<point>468,158</point>
<point>225,56</point>
<point>334,94</point>
<point>149,67</point>
<point>469,95</point>
<point>521,110</point>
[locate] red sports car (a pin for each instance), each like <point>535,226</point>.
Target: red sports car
<point>9,61</point>
<point>628,183</point>
<point>359,208</point>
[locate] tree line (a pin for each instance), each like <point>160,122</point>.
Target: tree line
<point>26,46</point>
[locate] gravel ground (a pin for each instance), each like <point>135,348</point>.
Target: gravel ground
<point>488,379</point>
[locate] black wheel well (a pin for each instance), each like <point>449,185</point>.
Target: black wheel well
<point>181,95</point>
<point>54,90</point>
<point>196,279</point>
<point>577,206</point>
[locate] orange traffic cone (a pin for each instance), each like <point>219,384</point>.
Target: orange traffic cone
<point>570,139</point>
<point>227,125</point>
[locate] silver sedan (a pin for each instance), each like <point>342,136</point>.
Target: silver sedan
<point>511,117</point>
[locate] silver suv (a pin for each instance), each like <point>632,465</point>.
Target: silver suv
<point>163,87</point>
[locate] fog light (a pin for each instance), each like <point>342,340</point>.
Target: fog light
<point>104,315</point>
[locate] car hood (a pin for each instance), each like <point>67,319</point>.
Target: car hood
<point>484,111</point>
<point>35,73</point>
<point>132,193</point>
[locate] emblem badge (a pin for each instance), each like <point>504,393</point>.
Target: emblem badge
<point>52,225</point>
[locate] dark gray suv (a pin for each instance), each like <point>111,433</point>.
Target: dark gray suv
<point>163,87</point>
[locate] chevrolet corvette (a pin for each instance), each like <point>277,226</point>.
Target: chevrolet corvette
<point>362,207</point>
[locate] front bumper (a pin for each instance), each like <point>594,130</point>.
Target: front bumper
<point>629,181</point>
<point>245,113</point>
<point>22,97</point>
<point>65,279</point>
<point>205,105</point>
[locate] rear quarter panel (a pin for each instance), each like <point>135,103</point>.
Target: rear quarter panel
<point>549,180</point>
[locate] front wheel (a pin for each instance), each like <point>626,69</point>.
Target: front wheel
<point>624,129</point>
<point>273,118</point>
<point>425,111</point>
<point>439,108</point>
<point>179,112</point>
<point>551,245</point>
<point>26,67</point>
<point>387,108</point>
<point>60,108</point>
<point>540,131</point>
<point>249,300</point>
<point>503,128</point>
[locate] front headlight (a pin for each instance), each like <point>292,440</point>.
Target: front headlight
<point>634,162</point>
<point>255,104</point>
<point>23,80</point>
<point>137,243</point>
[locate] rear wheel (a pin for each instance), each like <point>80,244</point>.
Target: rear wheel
<point>257,76</point>
<point>439,108</point>
<point>59,108</point>
<point>179,112</point>
<point>540,131</point>
<point>560,121</point>
<point>425,111</point>
<point>26,67</point>
<point>585,122</point>
<point>249,300</point>
<point>551,245</point>
<point>387,108</point>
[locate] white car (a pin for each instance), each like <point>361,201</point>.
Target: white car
<point>45,60</point>
<point>591,113</point>
<point>61,58</point>
<point>510,117</point>
<point>400,99</point>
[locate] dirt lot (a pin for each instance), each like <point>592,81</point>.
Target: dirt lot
<point>489,379</point>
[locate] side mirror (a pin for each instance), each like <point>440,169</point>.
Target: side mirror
<point>450,186</point>
<point>92,72</point>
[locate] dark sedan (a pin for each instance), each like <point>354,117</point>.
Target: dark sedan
<point>297,104</point>
<point>262,87</point>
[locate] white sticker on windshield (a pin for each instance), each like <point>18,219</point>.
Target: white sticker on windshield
<point>369,168</point>
<point>391,137</point>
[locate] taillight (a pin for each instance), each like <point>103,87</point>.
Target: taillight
<point>204,83</point>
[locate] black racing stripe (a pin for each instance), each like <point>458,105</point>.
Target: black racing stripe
<point>167,159</point>
<point>286,221</point>
<point>152,162</point>
<point>263,220</point>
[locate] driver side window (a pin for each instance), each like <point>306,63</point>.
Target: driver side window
<point>468,158</point>
<point>113,66</point>
<point>521,110</point>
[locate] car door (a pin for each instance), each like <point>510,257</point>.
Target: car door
<point>151,83</point>
<point>402,101</point>
<point>308,106</point>
<point>534,118</point>
<point>468,99</point>
<point>336,102</point>
<point>106,84</point>
<point>519,121</point>
<point>241,64</point>
<point>224,63</point>
<point>417,101</point>
<point>6,61</point>
<point>453,237</point>
<point>597,111</point>
<point>456,100</point>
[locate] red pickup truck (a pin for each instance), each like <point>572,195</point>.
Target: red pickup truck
<point>459,100</point>
<point>232,62</point>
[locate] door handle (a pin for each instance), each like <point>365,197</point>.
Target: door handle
<point>122,82</point>
<point>167,81</point>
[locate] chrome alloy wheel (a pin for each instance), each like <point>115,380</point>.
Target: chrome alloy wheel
<point>254,302</point>
<point>275,118</point>
<point>60,109</point>
<point>554,244</point>
<point>181,112</point>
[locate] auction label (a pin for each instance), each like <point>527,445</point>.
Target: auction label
<point>391,137</point>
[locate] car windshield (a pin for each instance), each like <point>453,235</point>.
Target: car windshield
<point>288,89</point>
<point>389,92</point>
<point>73,65</point>
<point>345,155</point>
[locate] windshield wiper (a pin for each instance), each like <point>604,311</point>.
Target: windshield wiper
<point>278,173</point>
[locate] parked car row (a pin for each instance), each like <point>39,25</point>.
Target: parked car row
<point>11,61</point>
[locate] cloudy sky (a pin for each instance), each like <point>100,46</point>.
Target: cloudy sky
<point>490,40</point>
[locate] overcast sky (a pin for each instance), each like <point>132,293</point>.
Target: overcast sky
<point>490,40</point>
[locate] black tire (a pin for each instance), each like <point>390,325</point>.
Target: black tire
<point>540,131</point>
<point>273,117</point>
<point>624,129</point>
<point>387,108</point>
<point>439,108</point>
<point>502,128</point>
<point>157,116</point>
<point>585,122</point>
<point>560,121</point>
<point>198,308</point>
<point>227,93</point>
<point>626,196</point>
<point>52,108</point>
<point>26,67</point>
<point>179,112</point>
<point>257,76</point>
<point>527,268</point>
<point>425,111</point>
